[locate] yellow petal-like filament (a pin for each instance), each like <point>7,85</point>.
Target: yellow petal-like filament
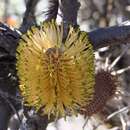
<point>55,76</point>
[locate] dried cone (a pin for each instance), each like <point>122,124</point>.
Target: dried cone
<point>56,77</point>
<point>105,88</point>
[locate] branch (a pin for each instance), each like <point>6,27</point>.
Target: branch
<point>52,10</point>
<point>110,36</point>
<point>8,43</point>
<point>11,106</point>
<point>5,113</point>
<point>69,10</point>
<point>29,16</point>
<point>36,122</point>
<point>101,37</point>
<point>8,40</point>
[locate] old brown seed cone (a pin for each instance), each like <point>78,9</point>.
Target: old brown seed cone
<point>105,88</point>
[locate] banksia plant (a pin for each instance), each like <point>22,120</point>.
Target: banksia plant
<point>105,87</point>
<point>56,76</point>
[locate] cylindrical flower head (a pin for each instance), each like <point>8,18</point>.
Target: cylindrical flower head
<point>55,75</point>
<point>105,87</point>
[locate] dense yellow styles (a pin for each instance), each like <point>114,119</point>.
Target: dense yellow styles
<point>55,75</point>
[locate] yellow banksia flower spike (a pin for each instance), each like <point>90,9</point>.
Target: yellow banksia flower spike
<point>55,75</point>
